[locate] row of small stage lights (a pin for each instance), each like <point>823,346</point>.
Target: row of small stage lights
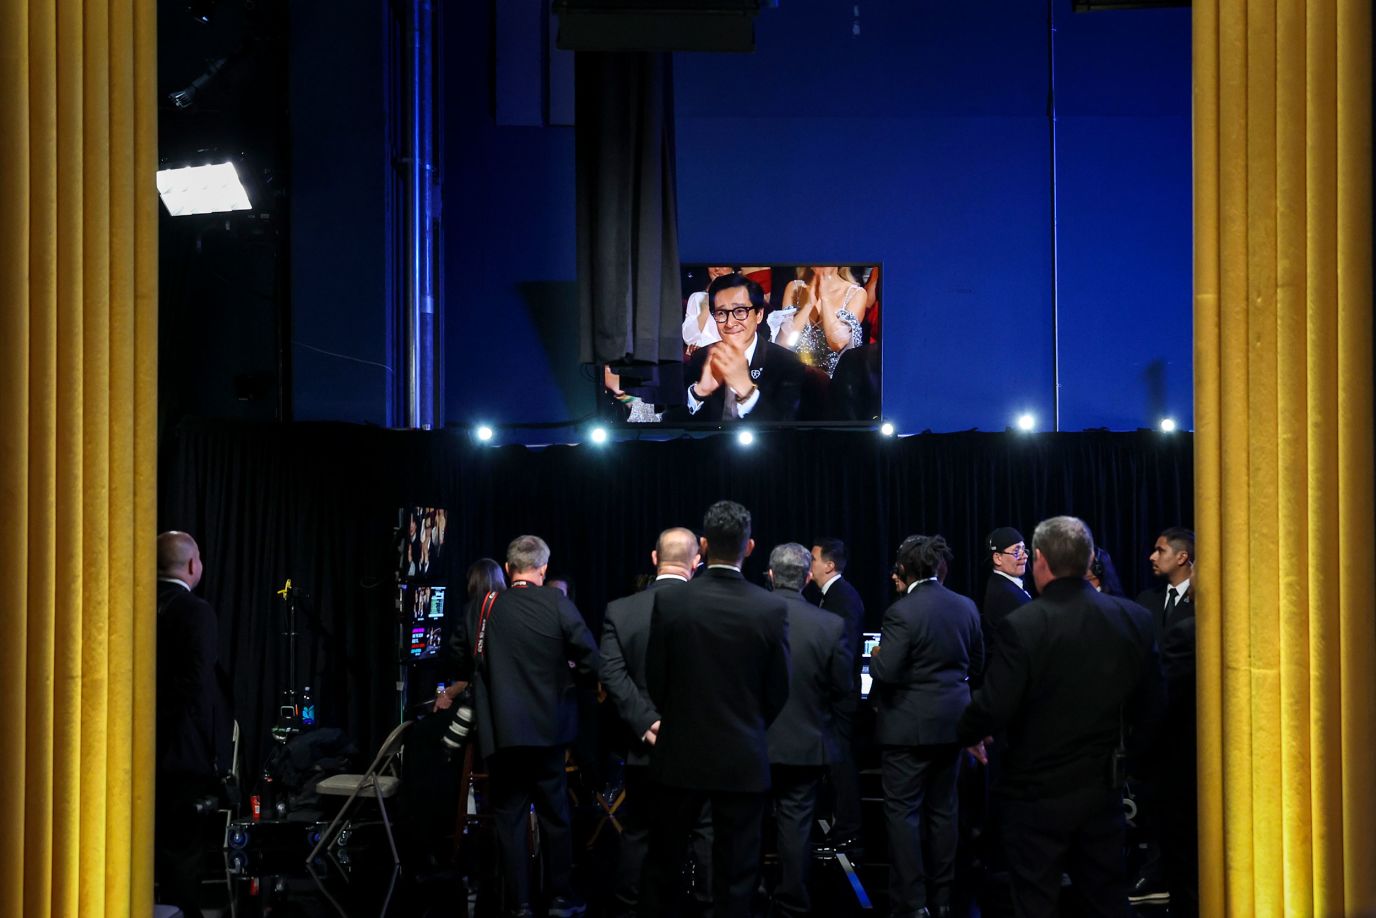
<point>598,435</point>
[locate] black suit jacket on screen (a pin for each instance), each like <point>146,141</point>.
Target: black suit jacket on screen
<point>523,689</point>
<point>929,648</point>
<point>776,370</point>
<point>717,667</point>
<point>625,639</point>
<point>820,682</point>
<point>1071,670</point>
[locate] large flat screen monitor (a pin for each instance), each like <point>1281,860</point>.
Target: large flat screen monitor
<point>774,345</point>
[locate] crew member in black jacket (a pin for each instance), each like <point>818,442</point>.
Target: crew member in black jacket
<point>625,636</point>
<point>717,669</point>
<point>526,706</point>
<point>802,741</point>
<point>194,722</point>
<point>1073,673</point>
<point>840,598</point>
<point>1004,590</point>
<point>929,648</point>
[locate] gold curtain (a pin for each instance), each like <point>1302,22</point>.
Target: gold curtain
<point>1283,443</point>
<point>78,373</point>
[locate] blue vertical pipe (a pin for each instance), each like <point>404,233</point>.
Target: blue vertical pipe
<point>420,234</point>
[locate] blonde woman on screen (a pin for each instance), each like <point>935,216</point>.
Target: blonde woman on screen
<point>821,315</point>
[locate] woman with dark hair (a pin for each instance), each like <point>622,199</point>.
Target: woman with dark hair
<point>1102,575</point>
<point>485,576</point>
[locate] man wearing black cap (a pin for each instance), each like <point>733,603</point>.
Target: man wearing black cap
<point>1004,592</point>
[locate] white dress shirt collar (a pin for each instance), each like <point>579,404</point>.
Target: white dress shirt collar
<point>1016,580</point>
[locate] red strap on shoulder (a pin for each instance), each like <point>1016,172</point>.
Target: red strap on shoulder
<point>480,642</point>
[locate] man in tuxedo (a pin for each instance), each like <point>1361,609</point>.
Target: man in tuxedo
<point>930,646</point>
<point>743,375</point>
<point>801,740</point>
<point>841,599</point>
<point>194,723</point>
<point>1172,560</point>
<point>1075,675</point>
<point>717,669</point>
<point>625,637</point>
<point>1166,791</point>
<point>524,649</point>
<point>1004,590</point>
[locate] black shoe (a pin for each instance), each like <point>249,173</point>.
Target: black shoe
<point>523,911</point>
<point>1150,887</point>
<point>1143,893</point>
<point>566,907</point>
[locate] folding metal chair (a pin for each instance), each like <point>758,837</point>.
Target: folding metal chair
<point>381,780</point>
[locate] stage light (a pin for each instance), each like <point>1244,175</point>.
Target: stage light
<point>1167,425</point>
<point>745,438</point>
<point>599,435</point>
<point>1026,421</point>
<point>202,190</point>
<point>886,429</point>
<point>484,433</point>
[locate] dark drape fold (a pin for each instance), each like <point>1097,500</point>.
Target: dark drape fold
<point>630,305</point>
<point>318,503</point>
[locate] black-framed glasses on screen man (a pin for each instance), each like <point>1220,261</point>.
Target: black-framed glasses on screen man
<point>739,313</point>
<point>1017,551</point>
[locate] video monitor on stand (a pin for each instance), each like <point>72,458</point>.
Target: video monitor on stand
<point>422,608</point>
<point>420,538</point>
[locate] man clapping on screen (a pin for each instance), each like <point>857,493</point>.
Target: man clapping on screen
<point>742,375</point>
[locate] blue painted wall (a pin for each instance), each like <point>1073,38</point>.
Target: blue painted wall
<point>924,143</point>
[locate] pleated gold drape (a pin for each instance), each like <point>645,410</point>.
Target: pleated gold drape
<point>78,340</point>
<point>1284,472</point>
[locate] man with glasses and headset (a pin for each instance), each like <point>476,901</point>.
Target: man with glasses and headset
<point>742,375</point>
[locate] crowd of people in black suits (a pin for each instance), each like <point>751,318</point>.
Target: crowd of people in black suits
<point>740,703</point>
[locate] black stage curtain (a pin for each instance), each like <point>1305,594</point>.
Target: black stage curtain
<point>630,298</point>
<point>318,503</point>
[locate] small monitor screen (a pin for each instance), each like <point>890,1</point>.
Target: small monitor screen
<point>420,542</point>
<point>870,640</point>
<point>422,608</point>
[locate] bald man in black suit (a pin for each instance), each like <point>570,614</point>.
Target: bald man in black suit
<point>625,639</point>
<point>194,721</point>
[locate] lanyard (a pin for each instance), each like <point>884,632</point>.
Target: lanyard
<point>480,644</point>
